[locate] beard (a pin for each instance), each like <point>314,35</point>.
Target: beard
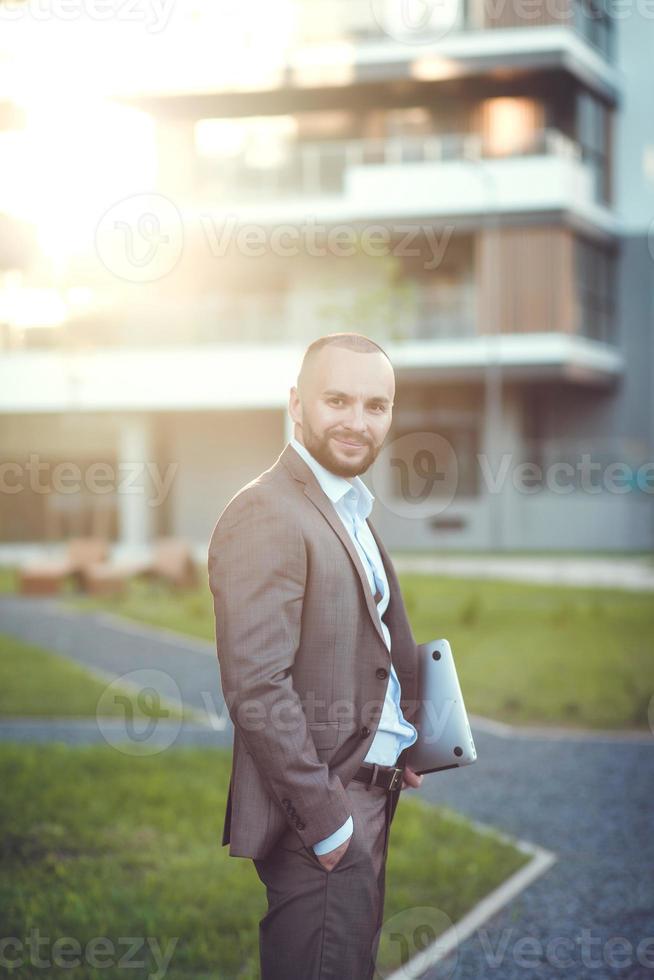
<point>321,448</point>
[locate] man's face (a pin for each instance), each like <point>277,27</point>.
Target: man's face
<point>344,409</point>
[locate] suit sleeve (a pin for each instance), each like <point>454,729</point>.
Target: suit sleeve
<point>338,837</point>
<point>257,574</point>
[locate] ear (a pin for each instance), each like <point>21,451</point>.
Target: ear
<point>295,406</point>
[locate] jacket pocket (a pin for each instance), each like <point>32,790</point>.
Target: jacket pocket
<point>323,733</point>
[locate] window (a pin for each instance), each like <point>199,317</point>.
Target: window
<point>593,137</point>
<point>443,288</point>
<point>595,287</point>
<point>592,18</point>
<point>250,154</point>
<point>510,125</point>
<point>43,513</point>
<point>416,478</point>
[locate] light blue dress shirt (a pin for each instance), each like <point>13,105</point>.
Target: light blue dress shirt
<point>352,501</point>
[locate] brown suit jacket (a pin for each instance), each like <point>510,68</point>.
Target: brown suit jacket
<point>303,662</point>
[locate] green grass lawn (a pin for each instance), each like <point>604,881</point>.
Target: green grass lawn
<point>37,683</point>
<point>154,603</point>
<point>8,580</point>
<point>98,843</point>
<point>525,653</point>
<point>542,654</point>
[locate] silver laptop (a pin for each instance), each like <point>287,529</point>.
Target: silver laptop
<point>444,737</point>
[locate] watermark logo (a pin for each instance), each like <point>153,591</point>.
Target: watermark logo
<point>417,21</point>
<point>416,475</point>
<point>410,933</point>
<point>141,238</point>
<point>141,712</point>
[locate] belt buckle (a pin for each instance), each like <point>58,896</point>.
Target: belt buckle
<point>395,779</point>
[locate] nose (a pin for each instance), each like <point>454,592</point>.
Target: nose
<point>355,420</point>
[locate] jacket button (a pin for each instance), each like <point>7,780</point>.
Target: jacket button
<point>381,673</point>
<point>365,731</point>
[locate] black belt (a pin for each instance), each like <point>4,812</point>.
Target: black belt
<point>390,777</point>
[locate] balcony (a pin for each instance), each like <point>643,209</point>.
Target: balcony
<point>366,23</point>
<point>540,304</point>
<point>413,312</point>
<point>252,376</point>
<point>411,177</point>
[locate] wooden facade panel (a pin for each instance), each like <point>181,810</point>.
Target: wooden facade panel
<point>525,279</point>
<point>527,13</point>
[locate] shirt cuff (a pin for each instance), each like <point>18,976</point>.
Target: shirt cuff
<point>340,835</point>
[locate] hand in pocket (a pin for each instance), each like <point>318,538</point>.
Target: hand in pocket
<point>331,858</point>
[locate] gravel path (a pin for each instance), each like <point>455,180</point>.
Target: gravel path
<point>591,801</point>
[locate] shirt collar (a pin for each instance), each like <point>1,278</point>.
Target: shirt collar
<point>357,495</point>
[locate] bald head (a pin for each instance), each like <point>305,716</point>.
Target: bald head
<point>342,404</point>
<point>347,341</point>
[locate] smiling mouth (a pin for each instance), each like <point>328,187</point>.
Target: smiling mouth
<point>354,445</point>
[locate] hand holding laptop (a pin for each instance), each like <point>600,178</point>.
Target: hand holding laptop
<point>411,779</point>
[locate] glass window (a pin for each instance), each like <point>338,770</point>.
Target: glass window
<point>595,284</point>
<point>458,468</point>
<point>510,125</point>
<point>593,20</point>
<point>592,135</point>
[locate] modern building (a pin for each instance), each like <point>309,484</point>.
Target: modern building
<point>473,187</point>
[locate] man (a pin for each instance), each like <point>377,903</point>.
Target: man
<point>318,670</point>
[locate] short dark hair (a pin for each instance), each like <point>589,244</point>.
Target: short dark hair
<point>351,341</point>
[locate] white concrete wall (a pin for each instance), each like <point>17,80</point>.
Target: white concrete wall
<point>232,377</point>
<point>216,454</point>
<point>461,187</point>
<point>544,521</point>
<point>516,519</point>
<point>634,128</point>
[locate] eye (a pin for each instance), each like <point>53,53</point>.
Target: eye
<point>334,399</point>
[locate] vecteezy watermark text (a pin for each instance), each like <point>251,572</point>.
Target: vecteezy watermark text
<point>154,14</point>
<point>141,238</point>
<point>317,239</point>
<point>66,477</point>
<point>100,952</point>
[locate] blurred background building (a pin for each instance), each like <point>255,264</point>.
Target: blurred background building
<point>185,205</point>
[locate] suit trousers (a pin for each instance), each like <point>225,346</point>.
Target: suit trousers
<point>320,924</point>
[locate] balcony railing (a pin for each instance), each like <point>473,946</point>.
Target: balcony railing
<point>316,169</point>
<point>263,318</point>
<point>446,311</point>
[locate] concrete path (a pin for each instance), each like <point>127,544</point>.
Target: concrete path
<point>607,573</point>
<point>184,671</point>
<point>590,800</point>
